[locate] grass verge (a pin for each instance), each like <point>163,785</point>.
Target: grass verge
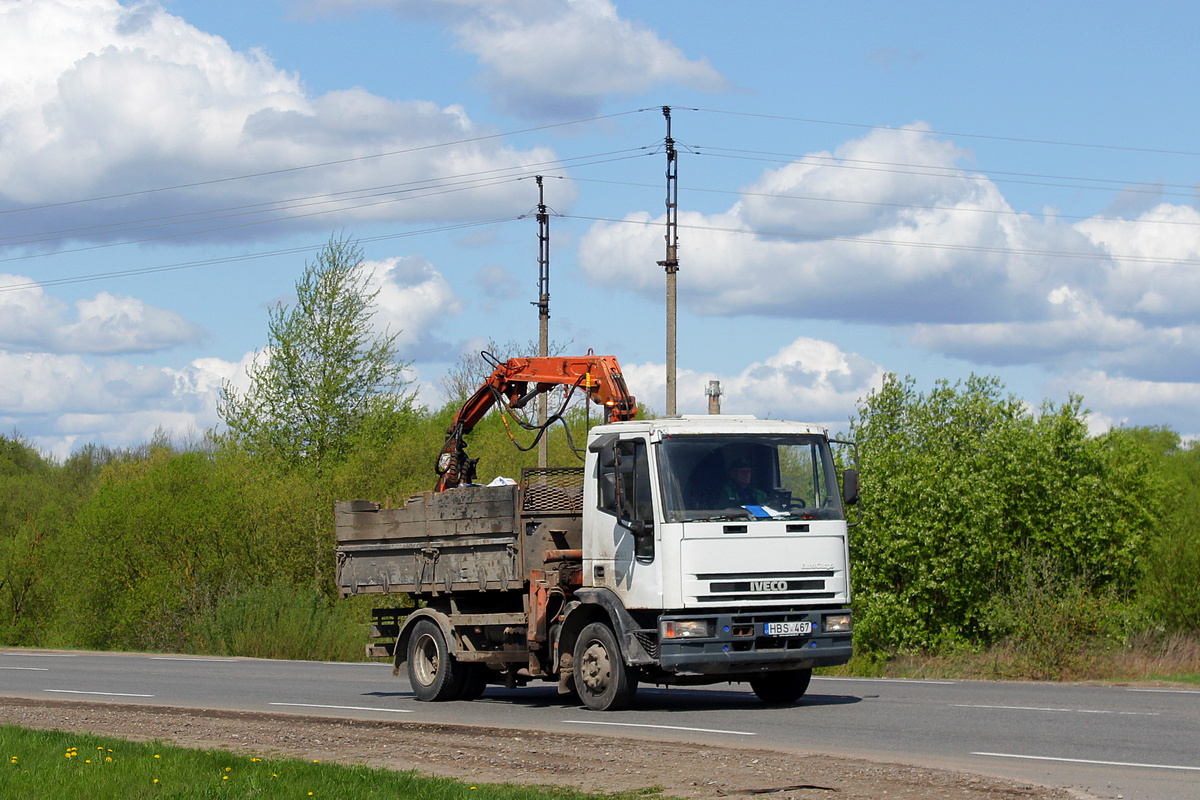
<point>1175,659</point>
<point>41,764</point>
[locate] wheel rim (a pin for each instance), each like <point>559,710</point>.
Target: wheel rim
<point>596,668</point>
<point>425,660</point>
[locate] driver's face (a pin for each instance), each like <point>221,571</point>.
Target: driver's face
<point>742,475</point>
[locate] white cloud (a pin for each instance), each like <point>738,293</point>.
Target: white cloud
<point>1129,401</point>
<point>414,300</point>
<point>808,380</point>
<point>31,320</point>
<point>96,96</point>
<point>935,252</point>
<point>59,400</point>
<point>854,236</point>
<point>555,57</point>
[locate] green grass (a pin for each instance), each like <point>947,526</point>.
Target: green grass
<point>70,766</point>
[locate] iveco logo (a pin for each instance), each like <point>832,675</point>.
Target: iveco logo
<point>768,586</point>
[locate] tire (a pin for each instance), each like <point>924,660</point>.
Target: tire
<point>602,679</point>
<point>474,681</point>
<point>434,675</point>
<point>781,688</point>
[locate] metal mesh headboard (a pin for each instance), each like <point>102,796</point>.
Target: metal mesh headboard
<point>552,489</point>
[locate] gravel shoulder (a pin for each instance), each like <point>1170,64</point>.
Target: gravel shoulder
<point>497,755</point>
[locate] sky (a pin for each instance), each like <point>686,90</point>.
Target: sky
<point>928,189</point>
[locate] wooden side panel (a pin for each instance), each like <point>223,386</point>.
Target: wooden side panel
<point>459,540</point>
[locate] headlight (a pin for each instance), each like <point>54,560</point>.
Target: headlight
<point>686,629</point>
<point>836,623</point>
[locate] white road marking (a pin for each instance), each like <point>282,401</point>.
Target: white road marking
<point>186,658</point>
<point>662,727</point>
<point>1089,761</point>
<point>32,669</point>
<point>42,655</point>
<point>1075,710</point>
<point>104,694</point>
<point>345,708</point>
<point>1167,691</point>
<point>881,680</point>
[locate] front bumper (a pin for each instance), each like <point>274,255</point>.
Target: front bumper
<point>740,645</point>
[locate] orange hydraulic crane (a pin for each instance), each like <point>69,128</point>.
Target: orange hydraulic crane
<point>517,381</point>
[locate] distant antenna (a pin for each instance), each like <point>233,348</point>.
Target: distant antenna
<point>543,304</point>
<point>671,262</point>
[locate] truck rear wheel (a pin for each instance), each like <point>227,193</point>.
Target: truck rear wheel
<point>434,675</point>
<point>602,679</point>
<point>474,681</point>
<point>781,687</point>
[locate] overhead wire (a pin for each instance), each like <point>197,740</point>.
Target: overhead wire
<point>352,200</point>
<point>885,204</point>
<point>957,134</point>
<point>428,192</point>
<point>899,243</point>
<point>124,273</point>
<point>321,164</point>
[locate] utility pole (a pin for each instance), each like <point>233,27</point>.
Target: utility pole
<point>671,263</point>
<point>543,304</point>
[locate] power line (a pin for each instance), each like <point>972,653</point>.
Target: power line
<point>884,204</point>
<point>412,189</point>
<point>318,165</point>
<point>959,134</point>
<point>936,171</point>
<point>97,276</point>
<point>896,243</point>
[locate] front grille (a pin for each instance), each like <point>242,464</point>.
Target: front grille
<point>758,586</point>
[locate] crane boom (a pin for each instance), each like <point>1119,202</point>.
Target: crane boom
<point>517,381</point>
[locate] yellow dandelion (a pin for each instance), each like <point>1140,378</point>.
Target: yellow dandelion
<point>224,777</point>
<point>315,760</point>
<point>88,761</point>
<point>156,780</point>
<point>227,769</point>
<point>156,755</point>
<point>101,747</point>
<point>109,758</point>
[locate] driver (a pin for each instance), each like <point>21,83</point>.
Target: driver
<point>738,490</point>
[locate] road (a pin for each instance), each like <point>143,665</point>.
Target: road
<point>1132,742</point>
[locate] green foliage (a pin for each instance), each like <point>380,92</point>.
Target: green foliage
<point>162,540</point>
<point>1170,588</point>
<point>56,764</point>
<point>964,486</point>
<point>325,373</point>
<point>282,621</point>
<point>1053,622</point>
<point>38,499</point>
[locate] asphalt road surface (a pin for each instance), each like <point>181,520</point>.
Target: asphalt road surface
<point>1131,742</point>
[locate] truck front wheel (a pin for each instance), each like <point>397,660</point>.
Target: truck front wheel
<point>434,675</point>
<point>781,687</point>
<point>602,679</point>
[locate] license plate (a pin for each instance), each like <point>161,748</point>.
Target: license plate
<point>787,628</point>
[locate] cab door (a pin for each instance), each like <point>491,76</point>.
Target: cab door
<point>621,535</point>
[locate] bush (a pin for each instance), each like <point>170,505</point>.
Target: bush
<point>282,621</point>
<point>962,485</point>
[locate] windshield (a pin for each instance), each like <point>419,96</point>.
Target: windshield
<point>755,477</point>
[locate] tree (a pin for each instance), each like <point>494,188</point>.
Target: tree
<point>965,487</point>
<point>325,372</point>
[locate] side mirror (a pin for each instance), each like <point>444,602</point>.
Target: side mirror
<point>850,487</point>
